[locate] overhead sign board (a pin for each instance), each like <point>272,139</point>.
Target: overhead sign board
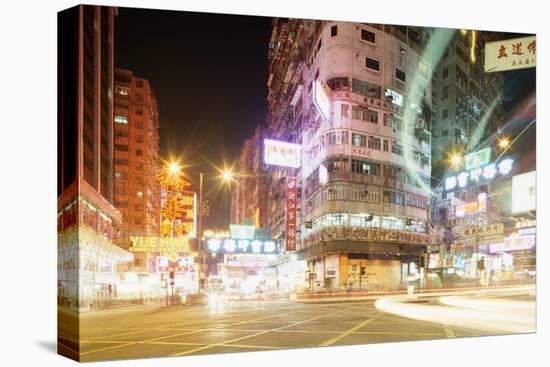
<point>242,232</point>
<point>280,153</point>
<point>511,54</point>
<point>483,173</point>
<point>477,159</point>
<point>218,245</point>
<point>158,244</point>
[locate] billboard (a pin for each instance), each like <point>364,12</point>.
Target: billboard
<point>511,54</point>
<point>524,193</point>
<point>178,213</point>
<point>280,153</point>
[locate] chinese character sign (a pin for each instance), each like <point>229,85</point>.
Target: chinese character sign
<point>224,245</point>
<point>517,53</point>
<point>178,213</point>
<point>291,199</point>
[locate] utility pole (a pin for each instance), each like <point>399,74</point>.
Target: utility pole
<point>199,234</point>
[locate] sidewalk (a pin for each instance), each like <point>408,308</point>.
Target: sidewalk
<point>323,297</point>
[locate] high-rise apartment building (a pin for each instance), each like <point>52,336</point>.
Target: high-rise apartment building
<point>136,153</point>
<point>87,218</point>
<point>357,97</point>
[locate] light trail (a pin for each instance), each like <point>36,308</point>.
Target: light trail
<point>496,315</point>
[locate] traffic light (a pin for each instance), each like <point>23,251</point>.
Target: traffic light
<point>172,273</point>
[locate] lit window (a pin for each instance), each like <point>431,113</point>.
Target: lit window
<point>397,98</point>
<point>139,194</point>
<point>121,119</point>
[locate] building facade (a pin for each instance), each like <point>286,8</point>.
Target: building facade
<point>344,91</point>
<point>249,198</point>
<point>87,218</point>
<point>136,158</point>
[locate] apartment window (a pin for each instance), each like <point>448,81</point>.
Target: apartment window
<point>139,166</point>
<point>338,83</point>
<point>139,97</point>
<point>139,194</point>
<point>138,207</point>
<point>386,145</point>
<point>119,119</point>
<point>139,111</point>
<point>368,36</point>
<point>365,89</point>
<point>139,153</point>
<point>139,125</point>
<point>397,149</point>
<point>121,147</point>
<point>138,220</point>
<point>121,133</point>
<point>123,106</point>
<point>139,138</point>
<point>445,72</point>
<point>334,31</point>
<point>445,114</point>
<point>392,223</point>
<point>397,98</point>
<point>423,68</point>
<point>359,140</point>
<point>372,64</point>
<point>139,83</point>
<point>374,143</point>
<point>122,92</point>
<point>400,75</point>
<point>345,110</point>
<point>123,162</point>
<point>370,116</point>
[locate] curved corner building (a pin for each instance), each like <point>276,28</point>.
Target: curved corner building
<point>366,160</point>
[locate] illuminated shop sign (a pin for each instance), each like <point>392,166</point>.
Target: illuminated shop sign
<point>476,207</point>
<point>249,260</point>
<point>477,159</point>
<point>486,230</point>
<point>234,245</point>
<point>514,243</point>
<point>280,153</point>
<point>321,98</point>
<point>291,200</point>
<point>242,232</point>
<point>479,174</point>
<point>524,193</point>
<point>510,54</point>
<point>183,264</point>
<point>158,244</point>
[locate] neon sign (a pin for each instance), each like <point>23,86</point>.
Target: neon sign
<point>240,246</point>
<point>485,173</point>
<point>280,153</point>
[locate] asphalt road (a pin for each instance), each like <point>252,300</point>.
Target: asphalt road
<point>269,325</point>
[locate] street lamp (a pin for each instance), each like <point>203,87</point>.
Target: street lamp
<point>504,143</point>
<point>173,168</point>
<point>227,175</point>
<point>455,160</point>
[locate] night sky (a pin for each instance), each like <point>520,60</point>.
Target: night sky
<point>209,73</point>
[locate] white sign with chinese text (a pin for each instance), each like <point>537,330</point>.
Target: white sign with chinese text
<point>511,54</point>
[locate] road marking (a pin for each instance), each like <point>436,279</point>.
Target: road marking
<point>448,332</point>
<point>175,335</point>
<point>349,331</point>
<point>228,342</point>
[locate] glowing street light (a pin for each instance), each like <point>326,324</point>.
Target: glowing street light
<point>173,168</point>
<point>504,143</point>
<point>456,160</point>
<point>227,175</point>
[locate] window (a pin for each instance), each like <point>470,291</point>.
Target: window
<point>119,119</point>
<point>365,167</point>
<point>334,30</point>
<point>359,140</point>
<point>392,223</point>
<point>374,143</point>
<point>423,68</point>
<point>370,116</point>
<point>364,220</point>
<point>365,89</point>
<point>139,97</point>
<point>139,153</point>
<point>445,93</point>
<point>139,138</point>
<point>338,83</point>
<point>121,133</point>
<point>334,219</point>
<point>397,98</point>
<point>400,75</point>
<point>345,110</point>
<point>139,111</point>
<point>122,91</point>
<point>372,64</point>
<point>385,145</point>
<point>139,194</point>
<point>123,106</point>
<point>445,114</point>
<point>139,83</point>
<point>368,36</point>
<point>139,125</point>
<point>397,149</point>
<point>121,147</point>
<point>138,220</point>
<point>445,72</point>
